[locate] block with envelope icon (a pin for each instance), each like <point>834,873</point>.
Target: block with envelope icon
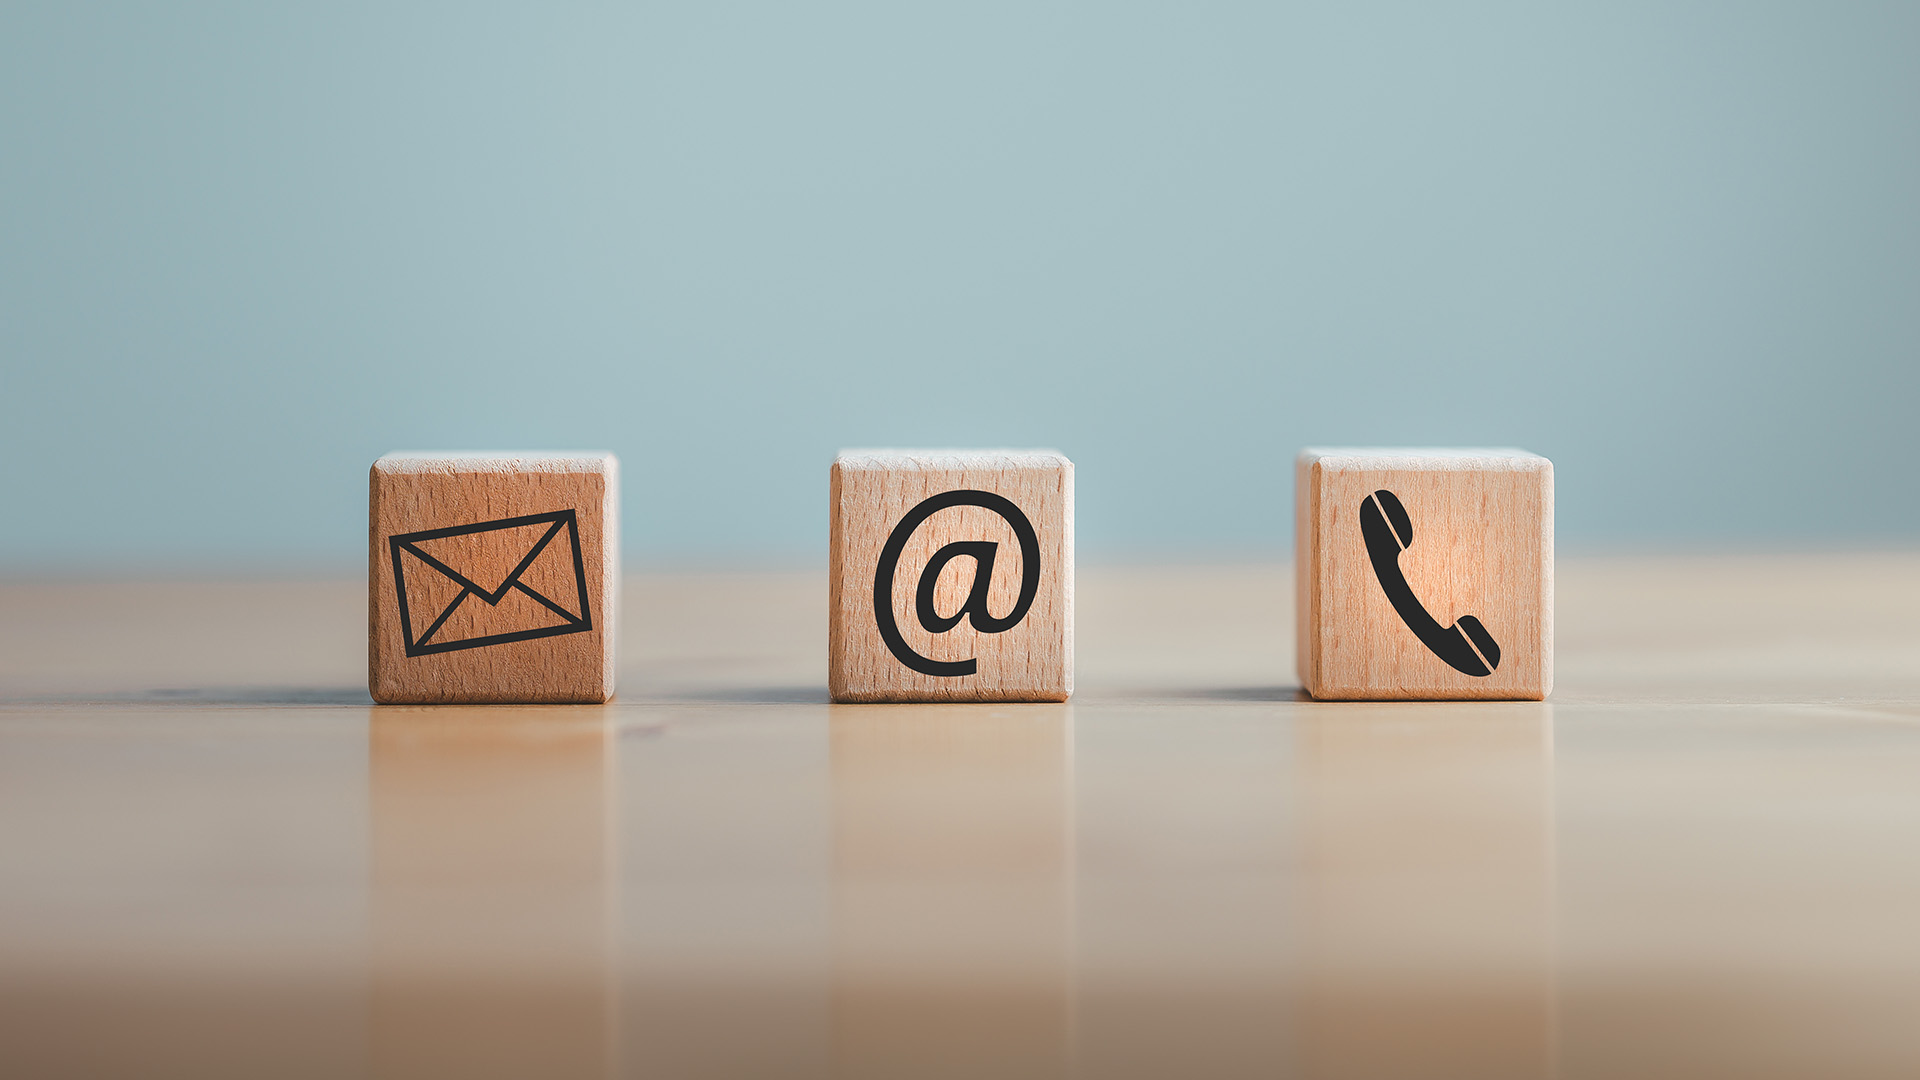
<point>492,577</point>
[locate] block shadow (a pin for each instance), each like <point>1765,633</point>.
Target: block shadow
<point>1241,693</point>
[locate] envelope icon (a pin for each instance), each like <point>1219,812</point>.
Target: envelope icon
<point>469,586</point>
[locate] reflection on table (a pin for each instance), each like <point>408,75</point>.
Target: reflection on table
<point>491,886</point>
<point>953,890</point>
<point>1426,891</point>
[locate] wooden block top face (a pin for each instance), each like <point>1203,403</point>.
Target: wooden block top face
<point>1440,588</point>
<point>970,556</point>
<point>492,577</point>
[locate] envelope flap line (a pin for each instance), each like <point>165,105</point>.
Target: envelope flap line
<point>513,577</point>
<point>486,526</point>
<point>408,540</point>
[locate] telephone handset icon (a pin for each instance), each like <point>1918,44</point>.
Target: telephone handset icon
<point>1465,645</point>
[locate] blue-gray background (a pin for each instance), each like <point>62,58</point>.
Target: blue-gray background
<point>246,248</point>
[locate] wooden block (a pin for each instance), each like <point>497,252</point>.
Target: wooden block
<point>1424,574</point>
<point>951,576</point>
<point>492,577</point>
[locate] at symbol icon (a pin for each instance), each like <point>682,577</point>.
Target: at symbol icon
<point>975,609</point>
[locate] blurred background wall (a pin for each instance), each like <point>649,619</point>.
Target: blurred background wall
<point>246,248</point>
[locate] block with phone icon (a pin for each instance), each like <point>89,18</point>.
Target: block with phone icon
<point>1424,574</point>
<point>492,577</point>
<point>951,576</point>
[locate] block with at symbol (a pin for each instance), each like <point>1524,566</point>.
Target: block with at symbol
<point>951,576</point>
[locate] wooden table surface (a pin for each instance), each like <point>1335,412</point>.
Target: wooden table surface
<point>1699,858</point>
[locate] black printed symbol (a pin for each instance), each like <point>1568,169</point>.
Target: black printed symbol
<point>1465,645</point>
<point>509,626</point>
<point>975,609</point>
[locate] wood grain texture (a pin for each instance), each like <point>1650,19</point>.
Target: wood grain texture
<point>1482,545</point>
<point>508,580</point>
<point>871,492</point>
